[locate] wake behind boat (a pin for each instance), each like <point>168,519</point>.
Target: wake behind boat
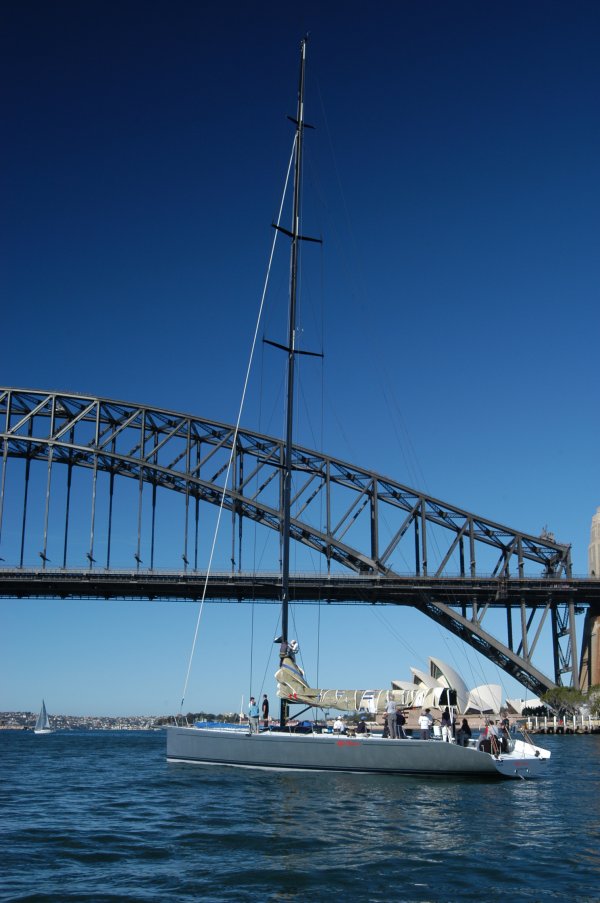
<point>285,749</point>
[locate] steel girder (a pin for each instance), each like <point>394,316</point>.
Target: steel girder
<point>358,520</point>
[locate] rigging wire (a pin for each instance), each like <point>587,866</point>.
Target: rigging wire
<point>237,427</point>
<point>251,650</point>
<point>418,656</point>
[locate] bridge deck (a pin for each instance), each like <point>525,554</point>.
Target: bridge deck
<point>245,587</point>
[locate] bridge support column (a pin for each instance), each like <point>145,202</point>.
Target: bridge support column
<point>564,640</point>
<point>589,673</point>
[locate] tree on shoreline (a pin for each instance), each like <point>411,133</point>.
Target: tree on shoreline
<point>569,700</point>
<point>593,701</point>
<point>564,700</point>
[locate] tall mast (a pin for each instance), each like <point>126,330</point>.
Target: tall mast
<point>291,350</point>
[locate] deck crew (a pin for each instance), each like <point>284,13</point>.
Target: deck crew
<point>425,722</point>
<point>392,717</point>
<point>253,715</point>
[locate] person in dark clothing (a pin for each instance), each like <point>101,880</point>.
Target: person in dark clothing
<point>504,736</point>
<point>464,733</point>
<point>446,725</point>
<point>400,722</point>
<point>265,712</point>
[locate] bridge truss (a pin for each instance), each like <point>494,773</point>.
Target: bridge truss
<point>379,541</point>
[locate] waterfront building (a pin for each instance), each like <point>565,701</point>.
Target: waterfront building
<point>589,674</point>
<point>433,689</point>
<point>594,547</point>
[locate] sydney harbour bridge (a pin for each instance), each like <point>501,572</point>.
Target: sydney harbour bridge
<point>85,478</point>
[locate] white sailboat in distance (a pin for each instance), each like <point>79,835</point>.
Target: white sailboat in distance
<point>42,725</point>
<point>283,748</point>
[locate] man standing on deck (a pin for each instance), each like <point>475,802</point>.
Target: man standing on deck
<point>265,712</point>
<point>425,722</point>
<point>392,716</point>
<point>253,715</point>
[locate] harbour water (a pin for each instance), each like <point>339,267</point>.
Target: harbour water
<point>100,816</point>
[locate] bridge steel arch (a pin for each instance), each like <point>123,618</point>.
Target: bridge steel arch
<point>405,546</point>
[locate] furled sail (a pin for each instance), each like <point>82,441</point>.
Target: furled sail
<point>292,685</point>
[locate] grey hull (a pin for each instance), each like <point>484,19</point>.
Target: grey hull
<point>326,752</point>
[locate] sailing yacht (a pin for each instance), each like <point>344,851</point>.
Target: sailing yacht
<point>42,725</point>
<point>285,748</point>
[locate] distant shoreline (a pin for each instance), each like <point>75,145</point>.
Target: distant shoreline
<point>26,721</point>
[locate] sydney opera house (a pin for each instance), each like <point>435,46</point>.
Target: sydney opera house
<point>432,690</point>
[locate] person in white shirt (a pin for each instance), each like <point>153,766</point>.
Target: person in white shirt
<point>425,722</point>
<point>392,714</point>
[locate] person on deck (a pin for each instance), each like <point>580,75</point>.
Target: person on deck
<point>287,650</point>
<point>504,735</point>
<point>464,733</point>
<point>486,738</point>
<point>425,722</point>
<point>253,715</point>
<point>265,711</point>
<point>482,735</point>
<point>446,723</point>
<point>392,716</point>
<point>495,735</point>
<point>400,722</point>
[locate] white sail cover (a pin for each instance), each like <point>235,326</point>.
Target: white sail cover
<point>292,685</point>
<point>426,690</point>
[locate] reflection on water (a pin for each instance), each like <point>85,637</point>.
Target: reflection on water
<point>114,815</point>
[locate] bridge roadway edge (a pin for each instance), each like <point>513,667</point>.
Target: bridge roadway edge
<point>444,599</point>
<point>247,587</point>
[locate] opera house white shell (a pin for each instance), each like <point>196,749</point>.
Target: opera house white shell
<point>485,699</point>
<point>517,705</point>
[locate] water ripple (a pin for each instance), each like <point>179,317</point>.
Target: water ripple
<point>102,817</point>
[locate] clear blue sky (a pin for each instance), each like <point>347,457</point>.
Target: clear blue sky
<point>454,176</point>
